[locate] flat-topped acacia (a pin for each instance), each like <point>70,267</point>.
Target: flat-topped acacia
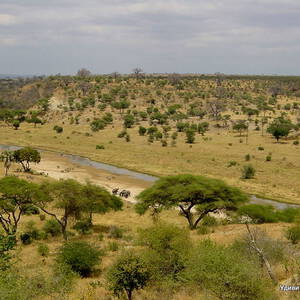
<point>196,196</point>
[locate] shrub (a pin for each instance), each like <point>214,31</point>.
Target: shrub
<point>113,246</point>
<point>83,226</point>
<point>288,215</point>
<point>247,157</point>
<point>296,143</point>
<point>167,248</point>
<point>32,230</point>
<point>115,232</point>
<point>80,256</point>
<point>203,230</point>
<point>227,274</point>
<point>164,143</point>
<point>248,172</point>
<point>52,227</point>
<point>269,157</point>
<point>100,147</point>
<point>43,250</point>
<point>190,136</point>
<point>260,148</point>
<point>122,134</point>
<point>232,163</point>
<point>42,217</point>
<point>142,130</point>
<point>259,213</point>
<point>26,238</point>
<point>58,129</point>
<point>127,274</point>
<point>293,234</point>
<point>209,221</point>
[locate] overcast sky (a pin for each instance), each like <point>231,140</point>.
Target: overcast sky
<point>184,36</point>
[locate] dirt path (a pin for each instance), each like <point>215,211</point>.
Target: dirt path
<point>57,166</point>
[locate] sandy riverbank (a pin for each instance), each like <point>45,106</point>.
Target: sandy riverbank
<point>57,166</point>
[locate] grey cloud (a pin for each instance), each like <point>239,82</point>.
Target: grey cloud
<point>249,36</point>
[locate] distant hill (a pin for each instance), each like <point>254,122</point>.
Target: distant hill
<point>3,76</point>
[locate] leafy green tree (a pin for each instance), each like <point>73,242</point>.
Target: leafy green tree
<point>15,195</point>
<point>128,121</point>
<point>203,127</point>
<point>195,196</point>
<point>127,274</point>
<point>98,200</point>
<point>25,156</point>
<point>66,195</point>
<point>121,105</point>
<point>7,157</point>
<point>240,126</point>
<point>280,127</point>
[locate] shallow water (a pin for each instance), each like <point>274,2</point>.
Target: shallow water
<point>83,161</point>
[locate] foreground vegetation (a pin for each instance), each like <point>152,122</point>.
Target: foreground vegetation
<point>77,241</point>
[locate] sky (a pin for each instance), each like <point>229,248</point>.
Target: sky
<point>183,36</point>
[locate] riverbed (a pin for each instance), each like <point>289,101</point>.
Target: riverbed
<point>61,165</point>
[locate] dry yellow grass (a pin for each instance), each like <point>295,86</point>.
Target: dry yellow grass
<point>277,179</point>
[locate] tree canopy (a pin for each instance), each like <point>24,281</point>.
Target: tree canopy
<point>25,156</point>
<point>15,195</point>
<point>195,196</point>
<point>280,127</point>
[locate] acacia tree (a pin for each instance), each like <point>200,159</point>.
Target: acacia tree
<point>25,156</point>
<point>195,196</point>
<point>98,200</point>
<point>240,126</point>
<point>7,157</point>
<point>65,195</point>
<point>73,199</point>
<point>15,195</point>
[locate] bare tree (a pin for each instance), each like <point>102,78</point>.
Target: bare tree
<point>84,73</point>
<point>174,78</point>
<point>215,107</point>
<point>259,251</point>
<point>115,75</point>
<point>138,73</point>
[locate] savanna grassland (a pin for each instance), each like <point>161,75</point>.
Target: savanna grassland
<point>163,103</point>
<point>163,125</point>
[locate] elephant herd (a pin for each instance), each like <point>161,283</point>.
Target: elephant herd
<point>123,193</point>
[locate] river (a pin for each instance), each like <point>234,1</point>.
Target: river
<point>83,161</point>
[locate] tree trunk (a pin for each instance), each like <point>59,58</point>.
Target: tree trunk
<point>261,255</point>
<point>64,228</point>
<point>129,294</point>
